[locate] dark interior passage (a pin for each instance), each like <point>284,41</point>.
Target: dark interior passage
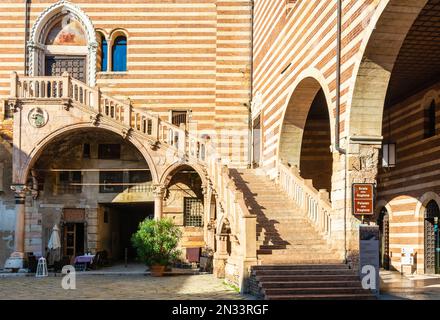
<point>316,159</point>
<point>119,223</point>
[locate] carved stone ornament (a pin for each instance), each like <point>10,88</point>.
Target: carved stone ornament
<point>38,117</point>
<point>96,119</point>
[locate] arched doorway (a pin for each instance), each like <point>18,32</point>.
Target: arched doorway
<point>316,160</point>
<point>432,238</point>
<point>384,232</point>
<point>185,203</point>
<point>306,134</point>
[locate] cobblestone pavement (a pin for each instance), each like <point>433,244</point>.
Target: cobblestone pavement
<point>106,287</point>
<point>395,286</point>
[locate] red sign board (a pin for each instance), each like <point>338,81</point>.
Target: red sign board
<point>363,199</point>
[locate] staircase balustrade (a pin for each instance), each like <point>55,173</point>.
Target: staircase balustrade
<point>315,203</point>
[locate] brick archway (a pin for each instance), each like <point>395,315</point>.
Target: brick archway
<point>306,134</point>
<point>381,45</point>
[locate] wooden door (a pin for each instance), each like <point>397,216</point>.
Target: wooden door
<point>70,239</point>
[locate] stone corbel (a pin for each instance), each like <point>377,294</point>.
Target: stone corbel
<point>67,104</point>
<point>154,145</point>
<point>96,120</point>
<point>20,191</point>
<point>126,133</point>
<point>14,105</point>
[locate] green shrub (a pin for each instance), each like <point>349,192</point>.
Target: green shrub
<point>156,242</point>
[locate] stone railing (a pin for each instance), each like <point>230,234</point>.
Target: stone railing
<point>242,223</point>
<point>67,88</point>
<point>316,204</point>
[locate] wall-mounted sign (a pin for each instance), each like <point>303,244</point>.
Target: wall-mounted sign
<point>407,258</point>
<point>363,199</point>
<point>74,215</point>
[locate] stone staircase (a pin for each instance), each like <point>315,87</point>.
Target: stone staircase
<point>284,233</point>
<point>308,282</point>
<point>295,261</point>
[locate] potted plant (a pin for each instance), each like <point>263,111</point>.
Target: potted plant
<point>156,244</point>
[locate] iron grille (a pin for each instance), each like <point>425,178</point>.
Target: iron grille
<point>193,212</point>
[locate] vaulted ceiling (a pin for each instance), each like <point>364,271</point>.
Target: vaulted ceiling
<point>418,63</point>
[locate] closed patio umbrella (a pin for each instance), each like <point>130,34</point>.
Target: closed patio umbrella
<point>54,245</point>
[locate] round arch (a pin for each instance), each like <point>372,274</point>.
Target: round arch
<point>384,37</point>
<point>52,12</point>
<point>175,167</point>
<point>382,204</point>
<point>295,111</point>
<point>42,144</point>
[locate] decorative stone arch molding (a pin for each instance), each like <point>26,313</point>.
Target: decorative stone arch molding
<point>423,201</point>
<point>295,111</point>
<point>36,45</point>
<point>25,168</point>
<point>382,204</point>
<point>168,173</point>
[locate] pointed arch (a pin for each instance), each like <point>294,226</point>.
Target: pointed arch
<point>36,41</point>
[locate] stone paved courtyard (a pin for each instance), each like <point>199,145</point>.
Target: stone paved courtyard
<point>395,286</point>
<point>108,287</point>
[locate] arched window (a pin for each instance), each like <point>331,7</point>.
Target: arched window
<point>429,123</point>
<point>119,54</point>
<point>104,54</point>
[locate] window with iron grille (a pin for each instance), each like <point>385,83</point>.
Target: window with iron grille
<point>193,212</point>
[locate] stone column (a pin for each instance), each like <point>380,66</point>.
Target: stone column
<point>221,255</point>
<point>359,165</point>
<point>158,192</point>
<point>206,211</point>
<point>20,210</point>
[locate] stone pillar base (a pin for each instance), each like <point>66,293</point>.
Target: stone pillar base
<point>219,267</point>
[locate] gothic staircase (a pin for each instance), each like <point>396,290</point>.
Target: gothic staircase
<point>105,108</point>
<point>295,261</point>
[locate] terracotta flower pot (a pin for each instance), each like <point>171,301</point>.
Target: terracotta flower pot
<point>157,270</point>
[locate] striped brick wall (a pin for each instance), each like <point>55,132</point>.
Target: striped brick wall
<point>182,54</point>
<point>304,37</point>
<point>409,186</point>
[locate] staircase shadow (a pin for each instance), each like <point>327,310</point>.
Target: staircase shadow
<point>262,220</point>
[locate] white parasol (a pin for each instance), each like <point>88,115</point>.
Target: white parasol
<point>54,245</point>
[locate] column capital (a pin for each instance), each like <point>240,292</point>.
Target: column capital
<point>158,190</point>
<point>20,190</point>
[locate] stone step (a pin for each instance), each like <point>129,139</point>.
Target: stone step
<point>287,244</point>
<point>290,238</point>
<point>292,248</point>
<point>304,272</point>
<point>314,291</point>
<point>314,278</point>
<point>309,284</point>
<point>303,253</point>
<point>282,259</point>
<point>329,296</point>
<point>331,266</point>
